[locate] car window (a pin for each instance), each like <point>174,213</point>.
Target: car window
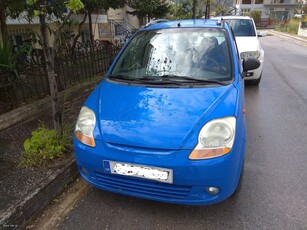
<point>242,27</point>
<point>199,53</point>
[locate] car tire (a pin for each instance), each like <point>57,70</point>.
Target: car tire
<point>255,82</point>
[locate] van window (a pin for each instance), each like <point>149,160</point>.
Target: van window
<point>242,27</point>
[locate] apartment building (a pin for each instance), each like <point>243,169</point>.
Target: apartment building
<point>276,10</point>
<point>106,25</point>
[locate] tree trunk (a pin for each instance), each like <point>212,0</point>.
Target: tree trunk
<point>207,11</point>
<point>91,38</point>
<point>78,35</point>
<point>49,62</point>
<point>194,9</point>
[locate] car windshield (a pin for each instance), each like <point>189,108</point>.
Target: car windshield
<point>194,55</point>
<point>242,27</point>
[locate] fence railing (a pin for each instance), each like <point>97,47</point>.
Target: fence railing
<point>30,83</point>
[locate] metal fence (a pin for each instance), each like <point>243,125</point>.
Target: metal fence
<point>29,83</point>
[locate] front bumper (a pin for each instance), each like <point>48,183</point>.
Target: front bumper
<point>190,178</point>
<point>254,74</point>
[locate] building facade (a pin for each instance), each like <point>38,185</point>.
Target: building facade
<point>106,26</point>
<point>276,10</point>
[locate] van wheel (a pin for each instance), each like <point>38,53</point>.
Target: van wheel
<point>255,82</point>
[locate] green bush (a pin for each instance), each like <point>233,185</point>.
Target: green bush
<point>44,147</point>
<point>291,27</point>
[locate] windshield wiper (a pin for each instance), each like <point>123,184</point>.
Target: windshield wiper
<point>193,80</point>
<point>120,77</point>
<point>165,80</point>
<point>126,78</point>
<point>148,80</point>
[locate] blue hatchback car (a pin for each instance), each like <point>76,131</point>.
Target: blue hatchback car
<point>167,121</point>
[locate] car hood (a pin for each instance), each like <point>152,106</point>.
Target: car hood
<point>248,44</point>
<point>160,118</point>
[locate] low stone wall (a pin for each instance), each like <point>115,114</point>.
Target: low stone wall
<point>31,111</point>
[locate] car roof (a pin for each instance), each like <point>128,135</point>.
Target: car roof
<point>233,17</point>
<point>187,23</point>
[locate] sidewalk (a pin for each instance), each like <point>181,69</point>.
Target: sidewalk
<point>25,191</point>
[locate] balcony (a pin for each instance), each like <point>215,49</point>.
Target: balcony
<point>281,3</point>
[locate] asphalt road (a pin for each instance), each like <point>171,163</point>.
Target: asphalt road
<point>274,191</point>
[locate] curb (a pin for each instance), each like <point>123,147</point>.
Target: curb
<point>298,39</point>
<point>18,216</point>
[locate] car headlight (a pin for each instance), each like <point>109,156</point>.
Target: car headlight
<point>254,54</point>
<point>85,126</point>
<point>215,139</point>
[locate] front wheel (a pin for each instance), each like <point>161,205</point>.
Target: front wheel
<point>255,82</point>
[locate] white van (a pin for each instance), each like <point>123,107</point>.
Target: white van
<point>248,43</point>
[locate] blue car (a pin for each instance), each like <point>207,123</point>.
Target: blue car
<point>167,121</point>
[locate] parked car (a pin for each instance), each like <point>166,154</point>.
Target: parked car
<point>248,43</point>
<point>167,121</point>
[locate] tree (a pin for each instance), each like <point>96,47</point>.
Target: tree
<point>149,8</point>
<point>222,7</point>
<point>256,15</point>
<point>181,10</point>
<point>45,11</point>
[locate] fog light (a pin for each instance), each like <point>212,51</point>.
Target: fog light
<point>84,170</point>
<point>249,74</point>
<point>213,190</point>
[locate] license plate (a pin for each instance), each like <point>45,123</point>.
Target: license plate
<point>141,171</point>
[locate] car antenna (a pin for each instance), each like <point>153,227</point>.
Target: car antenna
<point>219,21</point>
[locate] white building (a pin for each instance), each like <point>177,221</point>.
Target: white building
<point>276,10</point>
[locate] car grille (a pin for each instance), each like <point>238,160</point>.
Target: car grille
<point>142,187</point>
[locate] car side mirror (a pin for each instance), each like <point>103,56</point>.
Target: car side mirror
<point>250,64</point>
<point>261,33</point>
